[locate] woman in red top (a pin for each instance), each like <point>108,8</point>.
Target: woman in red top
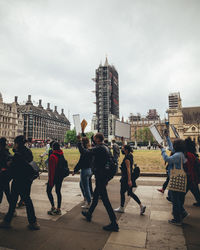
<point>55,179</point>
<point>192,180</point>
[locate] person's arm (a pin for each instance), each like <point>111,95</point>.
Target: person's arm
<point>127,162</point>
<point>52,168</point>
<point>83,150</point>
<point>170,159</point>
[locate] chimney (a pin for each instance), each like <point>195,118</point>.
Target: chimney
<point>16,97</point>
<point>29,102</point>
<point>55,109</point>
<point>40,104</point>
<point>62,111</point>
<point>48,106</point>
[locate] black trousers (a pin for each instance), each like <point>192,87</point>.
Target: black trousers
<point>100,190</point>
<point>125,188</point>
<point>165,184</point>
<point>23,189</point>
<point>194,190</point>
<point>58,185</point>
<point>4,186</point>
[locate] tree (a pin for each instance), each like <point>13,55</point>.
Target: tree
<point>70,136</point>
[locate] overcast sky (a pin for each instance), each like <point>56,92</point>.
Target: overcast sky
<point>50,49</point>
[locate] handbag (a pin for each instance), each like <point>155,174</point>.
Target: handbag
<point>178,179</point>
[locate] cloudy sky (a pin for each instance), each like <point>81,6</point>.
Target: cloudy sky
<point>50,49</point>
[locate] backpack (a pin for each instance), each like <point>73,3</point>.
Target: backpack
<point>197,167</point>
<point>111,166</point>
<point>35,170</point>
<point>62,169</point>
<point>135,173</point>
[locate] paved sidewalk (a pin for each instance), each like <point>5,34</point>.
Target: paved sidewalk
<point>71,231</point>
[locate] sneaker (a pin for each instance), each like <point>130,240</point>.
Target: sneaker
<point>57,212</point>
<point>86,206</point>
<point>87,215</point>
<point>161,190</point>
<point>184,215</point>
<point>174,222</point>
<point>34,226</point>
<point>52,211</point>
<point>20,205</point>
<point>119,210</point>
<point>113,227</point>
<point>196,204</point>
<point>142,210</point>
<point>5,224</point>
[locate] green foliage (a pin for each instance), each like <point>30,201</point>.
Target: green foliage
<point>144,135</point>
<point>70,137</point>
<point>89,134</point>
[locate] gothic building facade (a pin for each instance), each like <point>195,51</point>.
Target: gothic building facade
<point>11,122</point>
<point>186,120</point>
<point>41,124</point>
<point>107,99</point>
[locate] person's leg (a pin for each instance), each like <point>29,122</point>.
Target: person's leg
<point>81,186</point>
<point>106,201</point>
<point>25,191</point>
<point>85,175</point>
<point>58,192</point>
<point>90,185</point>
<point>195,191</point>
<point>176,206</point>
<point>94,201</point>
<point>12,205</point>
<point>123,190</point>
<point>134,196</point>
<point>165,184</point>
<point>50,196</point>
<point>7,192</point>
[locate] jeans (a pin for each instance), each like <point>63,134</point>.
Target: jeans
<point>125,188</point>
<point>19,187</point>
<point>100,190</point>
<point>84,183</point>
<point>177,205</point>
<point>58,185</point>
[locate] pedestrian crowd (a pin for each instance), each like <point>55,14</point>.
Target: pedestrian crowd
<point>96,158</point>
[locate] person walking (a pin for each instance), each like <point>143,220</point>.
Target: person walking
<point>22,174</point>
<point>5,175</point>
<point>116,151</point>
<point>55,178</point>
<point>176,160</point>
<point>100,153</point>
<point>85,164</point>
<point>126,180</point>
<point>192,177</point>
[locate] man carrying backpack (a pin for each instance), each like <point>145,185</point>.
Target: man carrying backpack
<point>100,154</point>
<point>56,166</point>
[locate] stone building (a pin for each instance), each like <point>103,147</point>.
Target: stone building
<point>186,120</point>
<point>139,122</point>
<point>41,124</point>
<point>11,122</point>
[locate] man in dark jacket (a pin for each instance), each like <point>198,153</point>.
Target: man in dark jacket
<point>5,157</point>
<point>100,154</point>
<point>22,173</point>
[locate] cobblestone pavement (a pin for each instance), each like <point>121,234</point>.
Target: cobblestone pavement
<point>72,231</point>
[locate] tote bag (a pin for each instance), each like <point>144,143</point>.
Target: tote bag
<point>178,179</point>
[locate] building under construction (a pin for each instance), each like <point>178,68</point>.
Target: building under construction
<point>107,99</point>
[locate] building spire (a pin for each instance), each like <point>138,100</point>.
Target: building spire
<point>106,62</point>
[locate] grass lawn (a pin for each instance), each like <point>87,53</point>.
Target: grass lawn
<point>147,160</point>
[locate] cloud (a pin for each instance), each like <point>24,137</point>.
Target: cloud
<point>51,49</point>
